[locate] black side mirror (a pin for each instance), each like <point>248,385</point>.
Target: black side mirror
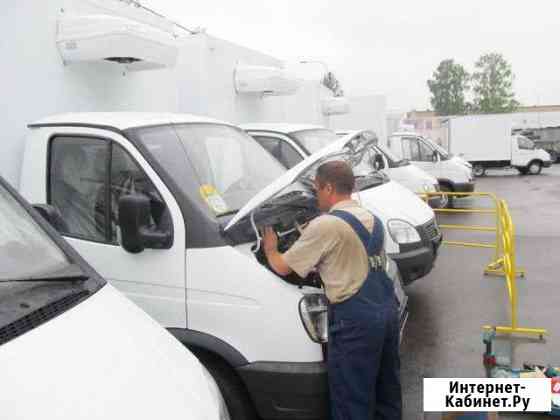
<point>52,216</point>
<point>134,221</point>
<point>435,156</point>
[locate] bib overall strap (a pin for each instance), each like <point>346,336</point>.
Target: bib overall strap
<point>372,242</point>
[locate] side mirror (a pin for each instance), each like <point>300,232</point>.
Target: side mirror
<point>53,216</point>
<point>435,156</point>
<point>134,221</point>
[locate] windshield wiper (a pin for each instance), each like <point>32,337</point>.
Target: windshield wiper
<point>71,272</point>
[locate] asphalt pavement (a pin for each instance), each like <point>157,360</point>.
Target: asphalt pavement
<point>448,307</point>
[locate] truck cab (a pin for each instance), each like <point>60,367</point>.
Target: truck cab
<point>526,157</point>
<point>402,171</point>
<point>168,207</point>
<point>452,174</point>
<point>415,252</point>
<point>73,347</point>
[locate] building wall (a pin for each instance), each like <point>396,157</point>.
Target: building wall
<point>36,83</point>
<point>365,112</point>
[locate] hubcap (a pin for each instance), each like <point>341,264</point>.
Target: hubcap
<point>534,168</point>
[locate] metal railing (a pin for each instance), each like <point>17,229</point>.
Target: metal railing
<point>504,261</point>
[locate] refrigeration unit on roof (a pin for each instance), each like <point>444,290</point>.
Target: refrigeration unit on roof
<point>139,46</point>
<point>265,80</point>
<point>335,106</point>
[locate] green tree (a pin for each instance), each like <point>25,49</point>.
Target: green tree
<point>493,85</point>
<point>448,86</point>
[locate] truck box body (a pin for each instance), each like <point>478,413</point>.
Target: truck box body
<point>480,137</point>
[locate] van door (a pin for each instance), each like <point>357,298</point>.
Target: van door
<point>421,155</point>
<point>87,174</point>
<point>522,151</point>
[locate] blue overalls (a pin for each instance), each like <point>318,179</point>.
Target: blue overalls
<point>363,347</point>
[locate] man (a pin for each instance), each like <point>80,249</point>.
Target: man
<point>346,246</point>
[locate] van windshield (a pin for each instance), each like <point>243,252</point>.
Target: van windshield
<point>230,167</point>
<point>26,251</point>
<point>315,139</point>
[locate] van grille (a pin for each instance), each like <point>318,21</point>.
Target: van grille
<point>431,229</point>
<point>41,315</point>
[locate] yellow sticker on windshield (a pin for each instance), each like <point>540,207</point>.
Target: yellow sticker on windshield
<point>213,198</point>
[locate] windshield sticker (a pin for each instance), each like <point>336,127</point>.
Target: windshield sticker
<point>214,199</point>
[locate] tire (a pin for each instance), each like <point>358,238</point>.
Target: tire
<point>522,171</point>
<point>479,170</point>
<point>233,390</point>
<point>534,168</point>
<point>447,188</point>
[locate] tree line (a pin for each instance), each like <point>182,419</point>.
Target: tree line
<point>488,89</point>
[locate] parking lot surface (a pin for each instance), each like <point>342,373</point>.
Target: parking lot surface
<point>443,337</point>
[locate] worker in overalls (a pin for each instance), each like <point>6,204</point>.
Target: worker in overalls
<point>346,246</point>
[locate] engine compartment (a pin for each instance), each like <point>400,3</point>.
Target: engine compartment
<point>287,214</point>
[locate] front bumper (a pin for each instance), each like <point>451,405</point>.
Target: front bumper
<point>285,390</point>
<point>463,187</point>
<point>417,260</point>
<point>547,164</point>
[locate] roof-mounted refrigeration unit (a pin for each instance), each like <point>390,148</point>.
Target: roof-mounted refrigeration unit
<point>265,80</point>
<point>335,106</point>
<point>115,38</point>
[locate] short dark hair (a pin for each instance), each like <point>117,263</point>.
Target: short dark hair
<point>337,173</point>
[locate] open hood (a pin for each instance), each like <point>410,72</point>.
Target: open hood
<point>299,172</point>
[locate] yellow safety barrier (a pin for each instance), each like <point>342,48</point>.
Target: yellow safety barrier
<point>504,262</point>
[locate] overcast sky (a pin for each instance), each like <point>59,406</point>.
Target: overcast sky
<point>391,47</point>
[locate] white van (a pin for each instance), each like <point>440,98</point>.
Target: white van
<point>72,347</point>
<point>166,207</point>
<point>452,173</point>
<point>402,171</point>
<point>412,236</point>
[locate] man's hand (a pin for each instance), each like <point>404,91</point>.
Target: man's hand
<point>270,240</point>
<point>270,247</point>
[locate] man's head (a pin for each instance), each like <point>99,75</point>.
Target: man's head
<point>334,182</point>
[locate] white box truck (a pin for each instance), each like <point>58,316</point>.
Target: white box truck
<point>486,141</point>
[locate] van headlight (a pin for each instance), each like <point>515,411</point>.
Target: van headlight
<point>313,312</point>
<point>216,393</point>
<point>402,232</point>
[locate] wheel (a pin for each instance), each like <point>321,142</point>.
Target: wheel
<point>449,203</point>
<point>534,168</point>
<point>479,170</point>
<point>233,390</point>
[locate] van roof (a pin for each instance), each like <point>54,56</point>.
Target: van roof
<point>121,120</point>
<point>285,128</point>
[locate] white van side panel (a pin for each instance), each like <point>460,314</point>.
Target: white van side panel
<point>234,298</point>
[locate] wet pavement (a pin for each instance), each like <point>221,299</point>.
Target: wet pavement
<point>443,337</point>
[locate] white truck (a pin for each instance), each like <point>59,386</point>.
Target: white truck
<point>486,141</point>
<point>71,346</point>
<point>402,171</point>
<point>452,173</point>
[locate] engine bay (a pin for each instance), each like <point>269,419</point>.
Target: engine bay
<point>288,215</point>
